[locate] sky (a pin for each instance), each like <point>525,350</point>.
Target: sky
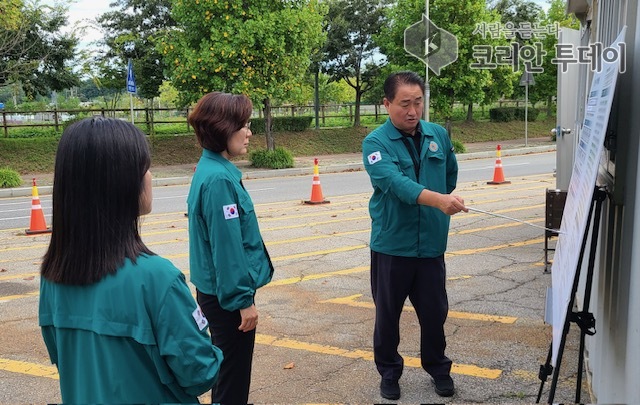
<point>83,11</point>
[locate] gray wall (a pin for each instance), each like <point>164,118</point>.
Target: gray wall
<point>613,353</point>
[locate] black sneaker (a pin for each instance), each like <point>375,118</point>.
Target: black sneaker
<point>389,389</point>
<point>444,385</point>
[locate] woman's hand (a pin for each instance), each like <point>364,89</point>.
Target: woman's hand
<point>249,318</point>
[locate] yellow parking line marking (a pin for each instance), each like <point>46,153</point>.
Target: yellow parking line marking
<point>489,228</point>
<point>25,247</point>
<point>23,275</point>
<point>274,341</point>
<point>351,301</point>
<point>309,254</point>
<point>164,242</point>
<point>294,256</point>
<point>33,369</point>
<point>315,237</point>
<point>313,214</point>
<point>310,224</point>
<point>495,247</point>
<point>15,297</point>
<point>318,253</point>
<point>38,370</point>
<point>488,191</point>
<point>174,230</point>
<point>317,276</point>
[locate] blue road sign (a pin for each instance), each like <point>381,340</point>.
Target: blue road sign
<point>1,106</point>
<point>131,79</point>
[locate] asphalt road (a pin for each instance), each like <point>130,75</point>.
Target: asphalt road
<point>15,212</point>
<point>315,333</point>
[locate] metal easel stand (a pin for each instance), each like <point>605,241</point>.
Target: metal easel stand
<point>584,319</point>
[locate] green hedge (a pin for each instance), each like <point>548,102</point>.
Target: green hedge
<point>280,124</point>
<point>9,178</point>
<point>280,158</point>
<point>532,114</point>
<point>506,114</point>
<point>502,114</point>
<point>458,147</point>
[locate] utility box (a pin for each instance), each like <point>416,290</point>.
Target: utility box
<point>554,207</point>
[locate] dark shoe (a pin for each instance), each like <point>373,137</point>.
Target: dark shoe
<point>389,389</point>
<point>444,385</point>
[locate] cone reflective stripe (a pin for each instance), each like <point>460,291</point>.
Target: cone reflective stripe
<point>316,188</point>
<point>498,173</point>
<point>38,223</point>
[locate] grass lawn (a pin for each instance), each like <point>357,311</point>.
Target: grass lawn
<point>36,155</point>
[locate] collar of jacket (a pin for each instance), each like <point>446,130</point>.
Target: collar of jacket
<point>395,133</point>
<point>231,168</point>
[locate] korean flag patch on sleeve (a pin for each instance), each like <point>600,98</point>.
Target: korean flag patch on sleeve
<point>230,211</point>
<point>375,157</point>
<point>199,317</point>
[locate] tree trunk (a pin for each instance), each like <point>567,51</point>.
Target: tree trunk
<point>548,106</point>
<point>448,126</point>
<point>470,112</point>
<point>356,118</point>
<point>271,142</point>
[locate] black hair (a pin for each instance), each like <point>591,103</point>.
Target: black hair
<point>217,116</point>
<point>98,180</point>
<point>395,80</point>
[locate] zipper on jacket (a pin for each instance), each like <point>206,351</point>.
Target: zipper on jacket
<point>416,167</point>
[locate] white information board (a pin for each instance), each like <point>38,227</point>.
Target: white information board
<point>581,189</point>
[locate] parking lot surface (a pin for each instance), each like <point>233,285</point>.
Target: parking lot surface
<point>314,339</point>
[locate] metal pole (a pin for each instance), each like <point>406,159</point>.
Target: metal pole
<point>131,100</point>
<point>526,111</point>
<point>427,91</point>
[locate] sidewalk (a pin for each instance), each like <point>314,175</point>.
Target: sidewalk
<point>181,174</point>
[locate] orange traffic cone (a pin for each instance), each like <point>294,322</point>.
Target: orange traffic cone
<point>38,224</point>
<point>316,188</point>
<point>498,174</point>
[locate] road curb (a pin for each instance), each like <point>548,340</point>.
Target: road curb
<point>296,171</point>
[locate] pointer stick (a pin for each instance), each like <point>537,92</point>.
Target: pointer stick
<point>515,219</point>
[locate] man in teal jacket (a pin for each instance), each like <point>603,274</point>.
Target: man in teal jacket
<point>413,170</point>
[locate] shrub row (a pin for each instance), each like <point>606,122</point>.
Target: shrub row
<point>280,158</point>
<point>506,114</point>
<point>9,178</point>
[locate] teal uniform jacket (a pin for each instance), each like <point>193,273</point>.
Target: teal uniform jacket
<point>227,256</point>
<point>136,336</point>
<point>399,226</point>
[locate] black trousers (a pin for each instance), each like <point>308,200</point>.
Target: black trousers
<point>393,279</point>
<point>234,378</point>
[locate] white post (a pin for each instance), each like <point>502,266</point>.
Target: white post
<point>131,102</point>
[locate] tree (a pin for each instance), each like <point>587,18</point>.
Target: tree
<point>516,11</point>
<point>168,95</point>
<point>10,13</point>
<point>108,76</point>
<point>260,48</point>
<point>35,53</point>
<point>547,81</point>
<point>459,81</point>
<point>350,50</point>
<point>133,31</point>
